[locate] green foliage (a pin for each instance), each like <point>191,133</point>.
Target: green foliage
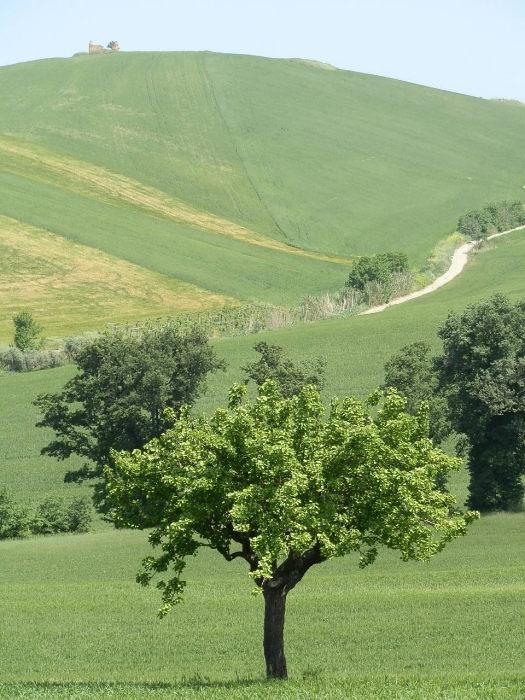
<point>290,378</point>
<point>482,369</point>
<point>119,395</point>
<point>379,268</point>
<point>56,515</point>
<point>26,331</point>
<point>497,216</point>
<point>274,484</point>
<point>412,373</point>
<point>51,516</point>
<point>79,515</point>
<point>14,518</point>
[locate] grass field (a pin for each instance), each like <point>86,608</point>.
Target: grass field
<point>334,161</point>
<point>356,350</point>
<point>70,288</point>
<point>72,614</point>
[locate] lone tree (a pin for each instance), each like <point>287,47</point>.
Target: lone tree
<point>290,378</point>
<point>26,331</point>
<point>276,485</point>
<point>118,398</point>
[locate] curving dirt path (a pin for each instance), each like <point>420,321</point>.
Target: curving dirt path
<point>459,260</point>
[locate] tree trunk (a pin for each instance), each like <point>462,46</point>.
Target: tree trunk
<point>274,609</point>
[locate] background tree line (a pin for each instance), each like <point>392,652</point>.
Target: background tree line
<point>478,224</point>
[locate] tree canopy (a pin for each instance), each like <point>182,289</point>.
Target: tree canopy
<point>413,373</point>
<point>290,377</point>
<point>379,267</point>
<point>118,397</point>
<point>276,484</point>
<point>26,331</point>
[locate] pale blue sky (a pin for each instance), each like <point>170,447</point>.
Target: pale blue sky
<point>469,46</point>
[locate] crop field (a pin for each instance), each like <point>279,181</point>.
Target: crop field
<point>330,161</point>
<point>73,619</point>
<point>71,288</point>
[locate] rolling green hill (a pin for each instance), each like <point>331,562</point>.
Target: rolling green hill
<point>253,178</point>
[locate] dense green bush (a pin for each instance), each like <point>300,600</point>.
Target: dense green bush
<point>14,518</point>
<point>374,274</point>
<point>492,218</point>
<point>52,516</point>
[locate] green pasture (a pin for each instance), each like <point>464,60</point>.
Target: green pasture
<point>212,262</point>
<point>328,160</point>
<point>23,469</point>
<point>74,619</point>
<point>356,350</point>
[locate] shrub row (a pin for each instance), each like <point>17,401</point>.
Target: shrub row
<point>12,359</point>
<point>51,516</point>
<point>492,218</point>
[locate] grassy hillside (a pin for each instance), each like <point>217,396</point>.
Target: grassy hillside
<point>140,184</point>
<point>356,350</point>
<point>71,612</point>
<point>327,160</point>
<point>71,287</point>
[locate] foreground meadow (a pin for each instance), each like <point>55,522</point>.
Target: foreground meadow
<point>76,625</point>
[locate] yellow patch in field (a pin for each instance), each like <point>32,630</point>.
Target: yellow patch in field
<point>70,287</point>
<point>89,180</point>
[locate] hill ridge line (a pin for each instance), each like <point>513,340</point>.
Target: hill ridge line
<point>458,262</point>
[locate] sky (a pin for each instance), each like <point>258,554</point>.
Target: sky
<point>468,46</point>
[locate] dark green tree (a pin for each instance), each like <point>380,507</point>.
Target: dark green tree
<point>282,487</point>
<point>412,373</point>
<point>26,331</point>
<point>119,395</point>
<point>377,268</point>
<point>482,371</point>
<point>478,224</point>
<point>290,377</point>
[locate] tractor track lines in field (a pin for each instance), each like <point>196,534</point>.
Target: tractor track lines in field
<point>241,162</point>
<point>88,180</point>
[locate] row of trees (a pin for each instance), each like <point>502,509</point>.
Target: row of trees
<point>51,516</point>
